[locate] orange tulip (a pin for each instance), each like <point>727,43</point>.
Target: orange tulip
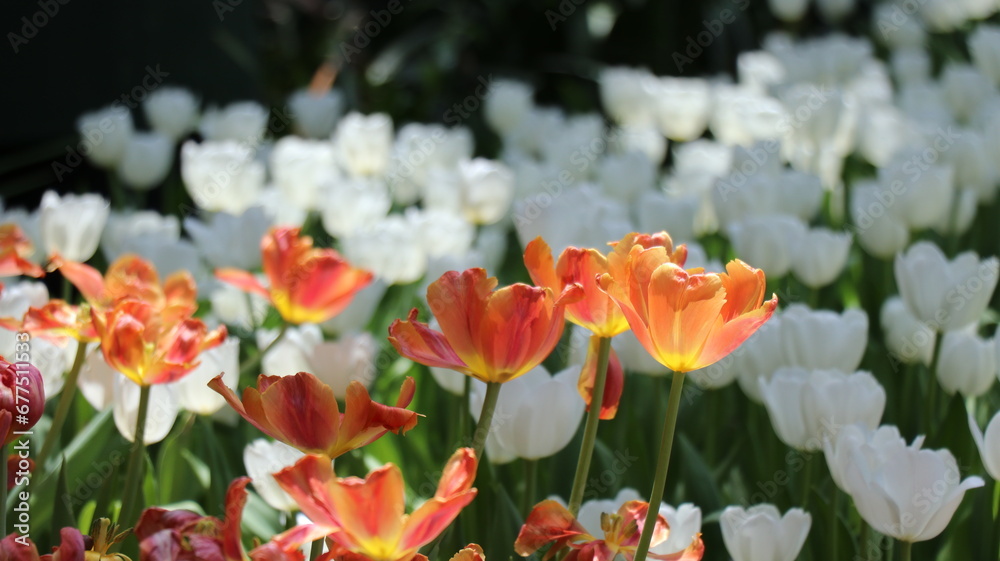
<point>551,522</point>
<point>494,336</point>
<point>301,411</point>
<point>614,382</point>
<point>15,247</point>
<point>685,319</point>
<point>307,284</point>
<point>131,277</point>
<point>55,321</point>
<point>148,348</point>
<point>367,517</point>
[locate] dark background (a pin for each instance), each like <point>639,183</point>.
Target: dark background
<point>91,53</point>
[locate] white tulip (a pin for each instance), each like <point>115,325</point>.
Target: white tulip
<point>920,197</point>
<point>626,176</point>
<point>634,357</point>
<point>507,104</point>
<point>629,95</point>
<point>362,143</point>
<point>479,189</point>
<point>590,511</point>
<point>547,415</point>
<point>743,116</point>
<point>647,140</point>
<point>656,211</point>
<point>685,524</point>
<point>443,233</point>
<point>759,357</point>
<point>72,224</point>
<point>974,167</point>
<point>193,393</point>
<point>579,216</point>
<point>965,89</point>
<point>417,151</point>
<point>750,190</point>
<point>388,249</point>
<point>315,113</point>
<point>237,308</point>
<point>788,10</point>
<point>767,242</point>
<point>15,299</point>
<point>300,169</point>
<point>897,32</point>
<point>835,10</point>
<point>357,315</point>
<point>879,231</point>
<point>105,134</point>
<point>821,256</point>
<point>823,339</point>
<point>945,294</point>
<point>221,176</point>
<point>988,444</point>
<point>806,407</point>
<point>226,240</point>
<point>910,65</point>
<point>172,111</point>
<point>123,226</point>
<point>840,451</point>
<point>244,122</point>
<point>682,107</point>
<point>52,360</point>
<point>965,213</point>
<point>160,415</point>
<point>967,365</point>
<point>279,212</point>
<point>909,340</point>
<point>759,70</point>
<point>984,45</point>
<point>262,459</point>
<point>97,380</point>
<point>350,203</point>
<point>761,533</point>
<point>147,160</point>
<point>335,363</point>
<point>904,492</point>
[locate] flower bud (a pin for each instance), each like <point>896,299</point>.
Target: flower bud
<point>22,398</point>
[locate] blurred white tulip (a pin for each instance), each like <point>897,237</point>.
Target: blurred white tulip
<point>767,241</point>
<point>823,339</point>
<point>336,363</point>
<point>301,167</point>
<point>15,299</point>
<point>840,451</point>
<point>105,134</point>
<point>243,122</point>
<point>988,444</point>
<point>682,107</point>
<point>761,533</point>
<point>172,111</point>
<point>507,104</point>
<point>72,224</point>
<point>124,226</point>
<point>262,458</point>
<point>759,357</point>
<point>227,240</point>
<point>221,176</point>
<point>357,314</point>
<point>350,203</point>
<point>945,294</point>
<point>967,365</point>
<point>362,143</point>
<point>388,249</point>
<point>909,340</point>
<point>984,46</point>
<point>160,415</point>
<point>147,160</point>
<point>193,393</point>
<point>820,256</point>
<point>316,113</point>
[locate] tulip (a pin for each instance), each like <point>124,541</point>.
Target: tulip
<point>15,301</point>
<point>945,294</point>
<point>507,104</point>
<point>172,111</point>
<point>359,312</point>
<point>768,241</point>
<point>965,89</point>
<point>879,232</point>
<point>685,319</point>
<point>909,340</point>
<point>923,199</point>
<point>840,449</point>
<point>988,444</point>
<point>130,278</point>
<point>389,249</point>
<point>192,390</point>
<point>147,160</point>
<point>550,522</point>
<point>350,203</point>
<point>984,45</point>
<point>124,227</point>
<point>316,113</point>
<point>222,176</point>
<point>301,168</point>
<point>417,151</point>
<point>366,516</point>
<point>807,406</point>
<point>17,547</point>
<point>55,321</point>
<point>72,224</point>
<point>760,532</point>
<point>161,411</point>
<point>362,143</point>
<point>278,404</point>
<point>967,365</point>
<point>263,458</point>
<point>820,256</point>
<point>760,357</point>
<point>105,132</point>
<point>22,398</point>
<point>910,65</point>
<point>629,95</point>
<point>743,116</point>
<point>481,190</point>
<point>15,247</point>
<point>614,383</point>
<point>244,122</point>
<point>335,363</point>
<point>307,284</point>
<point>581,216</point>
<point>888,480</point>
<point>682,107</point>
<point>227,240</point>
<point>822,339</point>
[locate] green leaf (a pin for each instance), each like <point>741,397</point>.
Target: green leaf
<point>62,509</point>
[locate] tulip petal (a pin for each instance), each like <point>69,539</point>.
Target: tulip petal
<point>431,518</point>
<point>304,410</point>
<point>419,343</point>
<point>541,267</point>
<point>253,413</point>
<point>458,474</point>
<point>308,483</point>
<point>365,421</point>
<point>548,522</point>
<point>727,337</point>
<point>243,280</point>
<point>614,380</point>
<point>459,302</point>
<point>693,552</point>
<point>370,510</point>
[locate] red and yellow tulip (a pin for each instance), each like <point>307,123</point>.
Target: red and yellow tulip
<point>492,335</point>
<point>301,411</point>
<point>150,347</point>
<point>367,517</point>
<point>552,523</point>
<point>56,321</point>
<point>15,247</point>
<point>306,284</point>
<point>685,319</point>
<point>614,382</point>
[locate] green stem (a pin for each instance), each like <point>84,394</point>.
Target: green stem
<point>530,485</point>
<point>904,550</point>
<point>863,543</point>
<point>132,497</point>
<point>485,419</point>
<point>316,550</point>
<point>662,462</point>
<point>255,361</point>
<point>932,385</point>
<point>834,524</point>
<point>590,429</point>
<point>463,411</point>
<point>807,476</point>
<point>3,489</point>
<point>62,409</point>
